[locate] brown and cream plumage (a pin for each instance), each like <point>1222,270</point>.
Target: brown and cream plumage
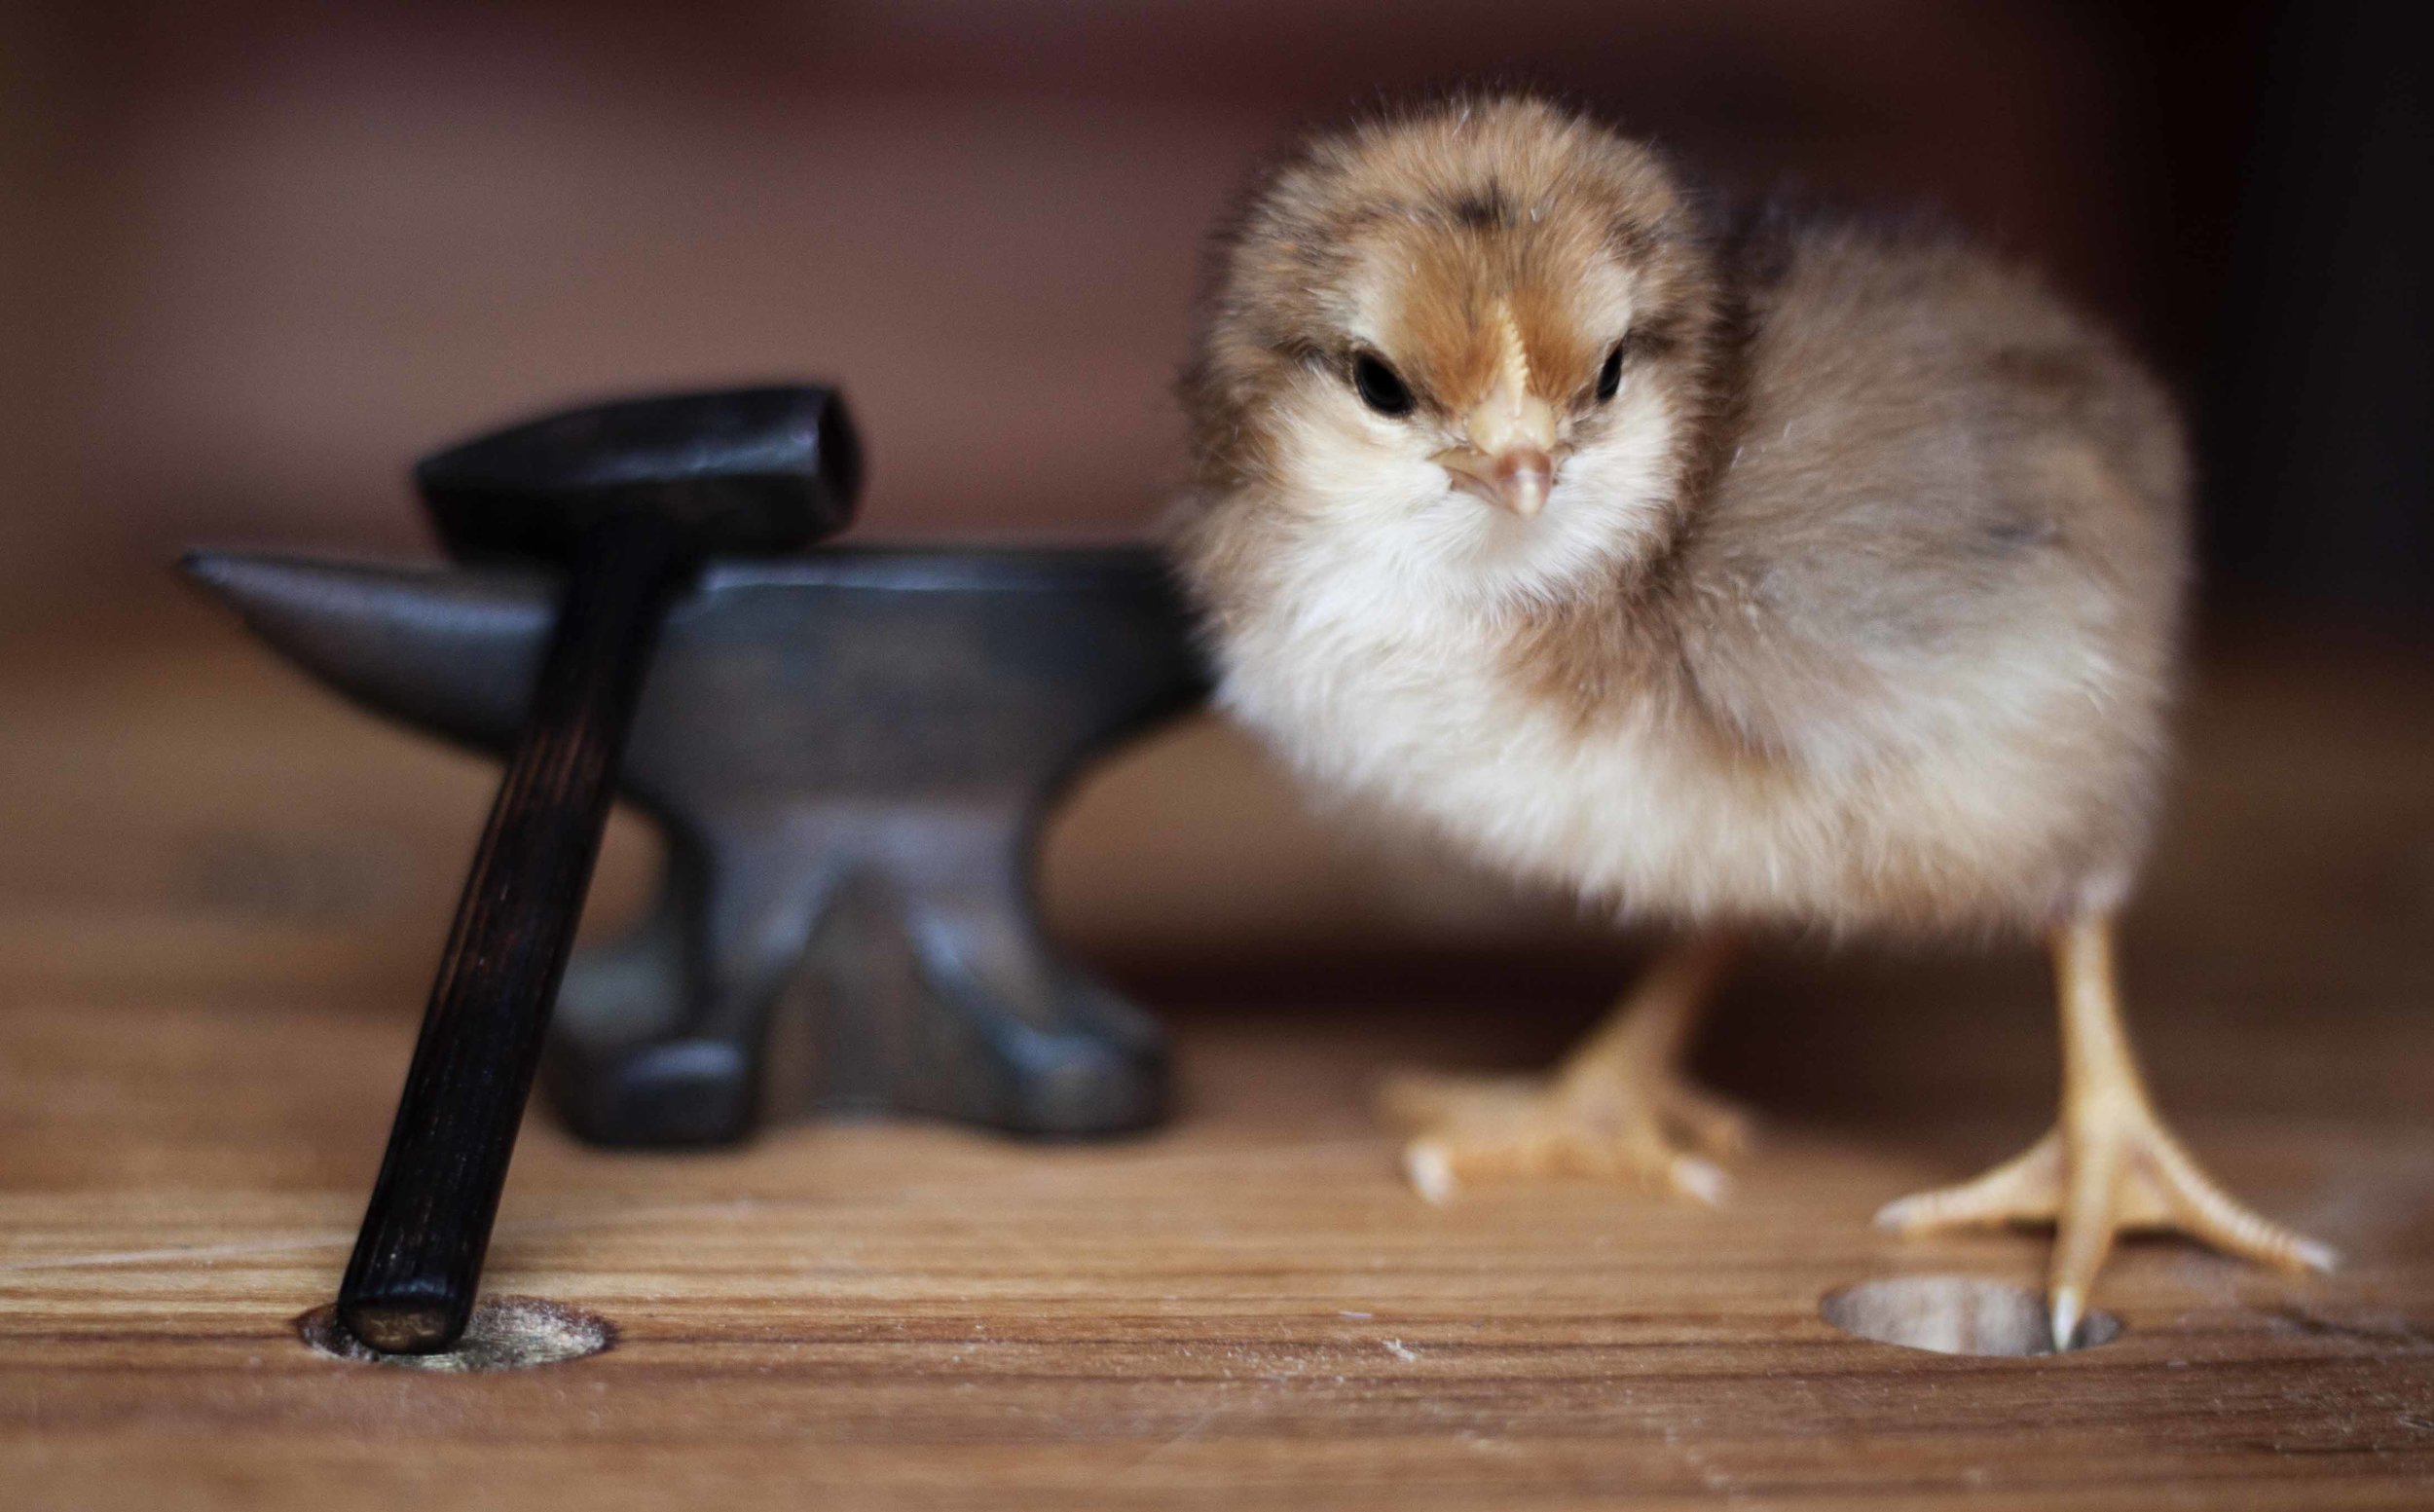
<point>1732,573</point>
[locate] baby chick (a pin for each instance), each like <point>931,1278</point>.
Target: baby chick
<point>1770,572</point>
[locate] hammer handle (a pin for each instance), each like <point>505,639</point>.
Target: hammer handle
<point>418,1261</point>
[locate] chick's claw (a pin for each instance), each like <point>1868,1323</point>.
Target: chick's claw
<point>1656,1132</point>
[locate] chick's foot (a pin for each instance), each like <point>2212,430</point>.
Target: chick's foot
<point>1655,1129</point>
<point>2111,1171</point>
<point>2109,1167</point>
<point>1618,1108</point>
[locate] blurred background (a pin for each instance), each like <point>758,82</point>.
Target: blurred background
<point>253,257</point>
<point>257,255</point>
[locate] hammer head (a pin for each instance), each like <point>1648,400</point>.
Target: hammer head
<point>739,472</point>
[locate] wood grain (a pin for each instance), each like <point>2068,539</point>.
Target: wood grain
<point>223,894</point>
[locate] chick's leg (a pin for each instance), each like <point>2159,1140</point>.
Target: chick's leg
<point>2109,1164</point>
<point>1617,1108</point>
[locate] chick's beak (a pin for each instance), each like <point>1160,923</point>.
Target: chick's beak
<point>1515,478</point>
<point>1511,457</point>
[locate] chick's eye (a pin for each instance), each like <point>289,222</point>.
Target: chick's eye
<point>1379,387</point>
<point>1611,376</point>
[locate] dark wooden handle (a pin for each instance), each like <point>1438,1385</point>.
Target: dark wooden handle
<point>410,1286</point>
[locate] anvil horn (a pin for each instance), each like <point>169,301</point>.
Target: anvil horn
<point>449,650</point>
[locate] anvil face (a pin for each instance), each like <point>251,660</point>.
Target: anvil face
<point>848,755</point>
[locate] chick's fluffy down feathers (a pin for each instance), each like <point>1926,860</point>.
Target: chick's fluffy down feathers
<point>1853,606</point>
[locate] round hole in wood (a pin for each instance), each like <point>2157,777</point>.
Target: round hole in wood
<point>1957,1314</point>
<point>507,1332</point>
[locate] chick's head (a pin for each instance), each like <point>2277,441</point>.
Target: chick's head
<point>1464,353</point>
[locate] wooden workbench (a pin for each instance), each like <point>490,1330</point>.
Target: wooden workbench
<point>221,892</point>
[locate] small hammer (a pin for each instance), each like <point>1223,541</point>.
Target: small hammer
<point>630,498</point>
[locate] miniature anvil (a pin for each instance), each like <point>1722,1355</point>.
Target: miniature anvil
<point>847,756</point>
